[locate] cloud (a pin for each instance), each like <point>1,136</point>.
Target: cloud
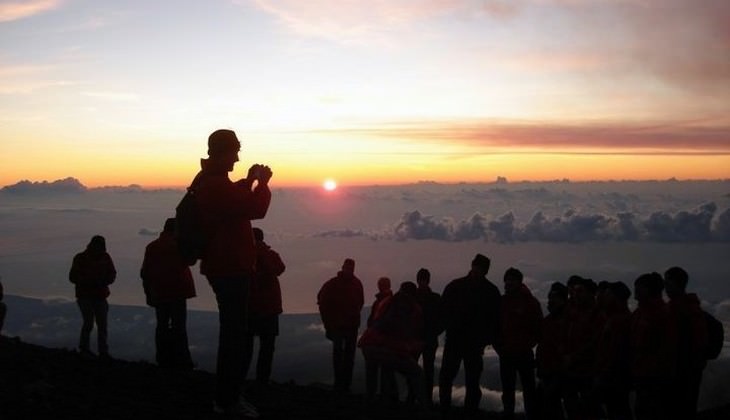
<point>67,185</point>
<point>113,96</point>
<point>14,10</point>
<point>341,233</point>
<point>148,232</point>
<point>651,137</point>
<point>572,226</point>
<point>352,22</point>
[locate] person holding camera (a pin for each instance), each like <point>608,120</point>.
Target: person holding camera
<point>229,256</point>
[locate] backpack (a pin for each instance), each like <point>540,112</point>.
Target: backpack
<point>188,226</point>
<point>715,337</point>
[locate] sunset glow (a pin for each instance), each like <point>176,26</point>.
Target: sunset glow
<point>329,185</point>
<point>378,92</point>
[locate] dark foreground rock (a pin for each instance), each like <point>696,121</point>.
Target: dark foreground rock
<point>42,383</point>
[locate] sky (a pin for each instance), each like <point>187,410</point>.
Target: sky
<point>366,92</point>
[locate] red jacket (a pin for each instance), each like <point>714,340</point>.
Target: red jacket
<point>165,276</point>
<point>380,300</point>
<point>584,331</point>
<point>651,354</point>
<point>520,316</point>
<point>340,301</point>
<point>551,350</point>
<point>265,290</point>
<point>227,210</point>
<point>397,325</point>
<point>92,274</point>
<point>612,352</point>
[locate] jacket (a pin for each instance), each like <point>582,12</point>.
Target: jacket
<point>471,311</point>
<point>92,274</point>
<point>397,326</point>
<point>651,353</point>
<point>380,299</point>
<point>433,318</point>
<point>551,348</point>
<point>690,338</point>
<point>520,316</point>
<point>265,289</point>
<point>340,301</point>
<point>227,209</point>
<point>165,276</point>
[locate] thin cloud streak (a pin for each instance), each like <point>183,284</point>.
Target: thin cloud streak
<point>650,138</point>
<point>10,11</point>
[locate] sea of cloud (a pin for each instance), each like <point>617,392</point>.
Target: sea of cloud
<point>550,230</point>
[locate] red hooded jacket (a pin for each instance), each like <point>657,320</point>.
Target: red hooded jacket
<point>165,276</point>
<point>265,289</point>
<point>397,325</point>
<point>227,209</point>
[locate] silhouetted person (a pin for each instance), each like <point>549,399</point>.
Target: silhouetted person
<point>168,283</point>
<point>384,293</point>
<point>340,301</point>
<point>229,257</point>
<point>92,271</point>
<point>433,326</point>
<point>373,370</point>
<point>690,341</point>
<point>471,315</point>
<point>264,308</point>
<point>650,348</point>
<point>393,340</point>
<point>585,323</point>
<point>520,319</point>
<point>551,353</point>
<point>3,308</point>
<point>612,383</point>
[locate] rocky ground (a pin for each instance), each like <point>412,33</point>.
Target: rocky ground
<point>43,383</point>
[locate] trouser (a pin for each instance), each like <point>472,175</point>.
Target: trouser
<point>429,357</point>
<point>551,390</point>
<point>510,365</point>
<point>231,294</point>
<point>684,391</point>
<point>374,371</point>
<point>265,357</point>
<point>171,336</point>
<point>650,403</point>
<point>94,310</point>
<point>343,358</point>
<point>454,353</point>
<point>391,361</point>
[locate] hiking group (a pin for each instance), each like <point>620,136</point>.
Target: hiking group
<point>582,360</point>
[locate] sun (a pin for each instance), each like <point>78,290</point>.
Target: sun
<point>329,184</point>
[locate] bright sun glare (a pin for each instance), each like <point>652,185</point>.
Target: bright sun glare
<point>329,184</point>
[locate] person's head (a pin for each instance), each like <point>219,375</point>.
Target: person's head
<point>512,281</point>
<point>584,292</point>
<point>408,288</point>
<point>648,286</point>
<point>383,284</point>
<point>169,225</point>
<point>557,297</point>
<point>480,265</point>
<point>601,292</point>
<point>223,146</point>
<point>675,281</point>
<point>258,234</point>
<point>97,245</point>
<point>616,295</point>
<point>573,281</point>
<point>423,277</point>
<point>348,266</point>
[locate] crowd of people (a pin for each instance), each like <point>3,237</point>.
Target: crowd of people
<point>581,360</point>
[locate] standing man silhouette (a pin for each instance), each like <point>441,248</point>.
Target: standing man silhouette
<point>471,313</point>
<point>340,301</point>
<point>229,256</point>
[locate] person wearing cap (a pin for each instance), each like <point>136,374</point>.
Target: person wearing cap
<point>471,314</point>
<point>229,257</point>
<point>168,283</point>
